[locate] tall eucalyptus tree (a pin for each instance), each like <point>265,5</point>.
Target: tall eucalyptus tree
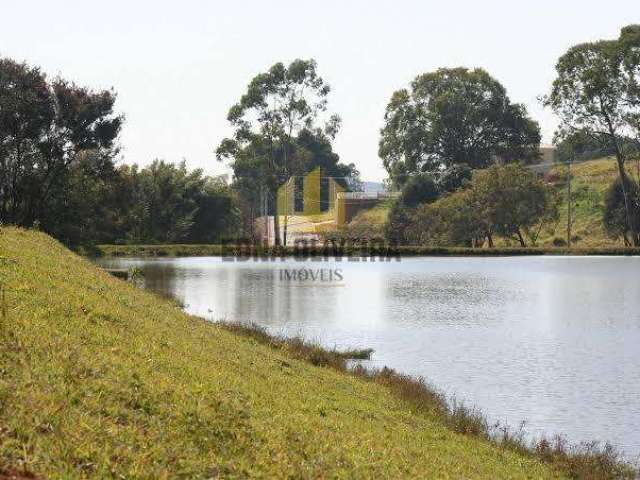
<point>277,106</point>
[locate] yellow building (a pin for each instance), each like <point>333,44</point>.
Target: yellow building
<point>312,194</point>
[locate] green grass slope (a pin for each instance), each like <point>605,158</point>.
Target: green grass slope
<point>100,379</point>
<point>590,181</point>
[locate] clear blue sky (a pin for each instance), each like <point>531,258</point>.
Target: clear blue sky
<point>178,66</point>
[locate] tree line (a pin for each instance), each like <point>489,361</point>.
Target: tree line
<point>58,172</point>
<point>59,153</point>
<point>463,118</point>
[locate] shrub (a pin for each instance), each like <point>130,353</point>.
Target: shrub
<point>453,220</point>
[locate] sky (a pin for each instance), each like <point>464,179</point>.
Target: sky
<point>178,66</point>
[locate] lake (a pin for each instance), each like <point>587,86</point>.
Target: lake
<point>553,341</point>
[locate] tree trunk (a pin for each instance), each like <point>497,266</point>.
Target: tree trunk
<point>623,177</point>
<point>276,219</point>
<point>286,212</point>
<point>522,242</point>
<point>253,221</point>
<point>490,239</point>
<point>625,193</point>
<point>286,188</point>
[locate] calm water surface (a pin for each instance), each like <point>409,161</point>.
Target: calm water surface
<point>553,341</point>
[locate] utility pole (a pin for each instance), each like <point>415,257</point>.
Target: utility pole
<point>286,210</point>
<point>569,203</point>
<point>263,217</point>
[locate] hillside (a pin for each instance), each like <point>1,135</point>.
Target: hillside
<point>100,379</point>
<point>590,182</point>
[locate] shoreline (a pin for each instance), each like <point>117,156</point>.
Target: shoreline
<point>594,459</point>
<point>386,253</point>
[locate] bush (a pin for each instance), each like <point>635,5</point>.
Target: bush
<point>451,221</point>
<point>419,190</point>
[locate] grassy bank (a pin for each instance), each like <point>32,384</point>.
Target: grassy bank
<point>100,379</point>
<point>587,461</point>
<point>590,181</point>
<point>174,250</point>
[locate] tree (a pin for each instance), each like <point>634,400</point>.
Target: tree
<point>167,203</point>
<point>396,228</point>
<point>315,150</point>
<point>596,90</point>
<point>276,107</point>
<point>87,206</point>
<point>630,45</point>
<point>453,220</point>
<point>44,127</point>
<point>512,200</point>
<point>163,204</point>
<point>454,116</point>
<point>418,190</point>
<point>504,200</point>
<point>614,217</point>
<point>216,213</point>
<point>253,178</point>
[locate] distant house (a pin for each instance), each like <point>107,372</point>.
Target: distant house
<point>322,197</point>
<point>306,204</point>
<point>314,203</point>
<point>312,194</point>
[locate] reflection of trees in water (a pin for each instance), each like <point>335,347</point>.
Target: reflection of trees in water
<point>161,279</point>
<point>260,296</point>
<point>304,306</point>
<point>158,276</point>
<point>253,294</point>
<point>247,292</point>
